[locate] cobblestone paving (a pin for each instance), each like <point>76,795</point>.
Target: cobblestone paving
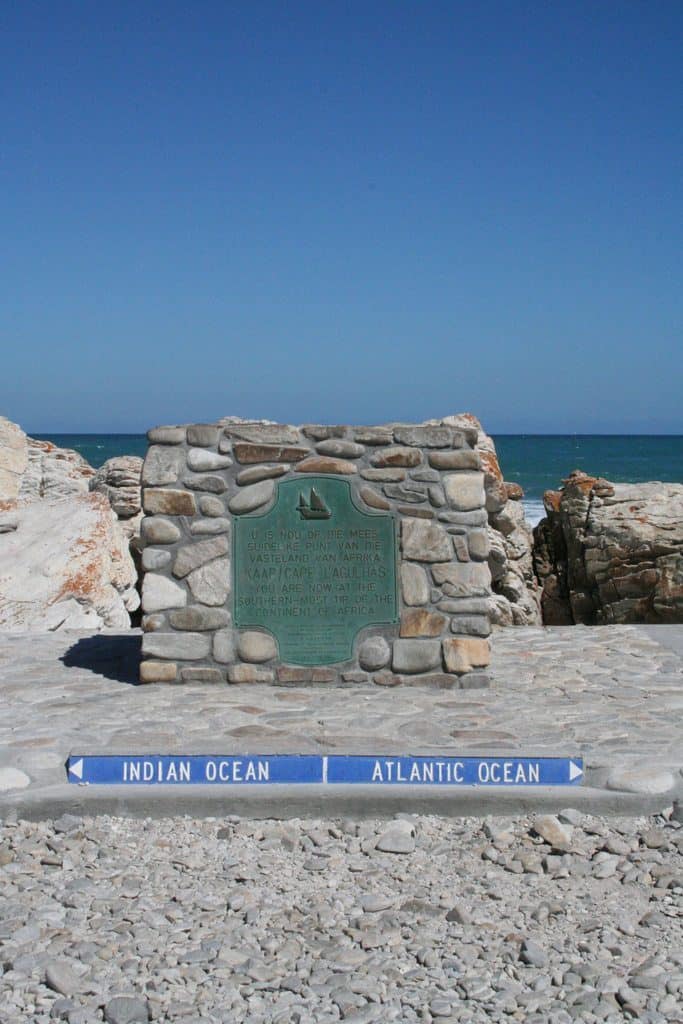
<point>612,694</point>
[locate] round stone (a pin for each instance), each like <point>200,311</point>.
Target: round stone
<point>202,461</point>
<point>252,497</point>
<point>374,653</point>
<point>253,645</point>
<point>646,779</point>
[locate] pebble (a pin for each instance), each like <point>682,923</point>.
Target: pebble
<point>60,977</point>
<point>126,1010</point>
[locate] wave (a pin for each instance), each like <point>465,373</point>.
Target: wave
<point>533,510</point>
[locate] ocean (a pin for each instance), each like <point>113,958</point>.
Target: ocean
<point>536,461</point>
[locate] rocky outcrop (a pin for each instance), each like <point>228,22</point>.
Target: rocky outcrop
<point>119,480</point>
<point>611,553</point>
<point>67,566</point>
<point>516,595</point>
<point>64,558</point>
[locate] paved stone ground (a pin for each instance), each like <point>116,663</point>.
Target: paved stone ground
<point>549,920</point>
<point>611,694</point>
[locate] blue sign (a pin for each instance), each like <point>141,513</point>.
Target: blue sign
<point>333,769</point>
<point>455,771</point>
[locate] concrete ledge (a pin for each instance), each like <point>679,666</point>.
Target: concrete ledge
<point>304,801</point>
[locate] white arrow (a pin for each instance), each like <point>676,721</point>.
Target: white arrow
<point>77,768</point>
<point>574,771</point>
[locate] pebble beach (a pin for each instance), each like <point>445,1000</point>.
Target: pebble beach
<point>549,920</point>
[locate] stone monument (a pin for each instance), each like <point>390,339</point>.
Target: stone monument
<point>315,554</point>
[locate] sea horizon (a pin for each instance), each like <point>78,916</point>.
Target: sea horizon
<point>538,462</point>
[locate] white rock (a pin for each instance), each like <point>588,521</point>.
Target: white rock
<point>641,780</point>
<point>160,593</point>
<point>13,459</point>
<point>68,566</point>
<point>210,584</point>
<point>13,778</point>
<point>201,461</point>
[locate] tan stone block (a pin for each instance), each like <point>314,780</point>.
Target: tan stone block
<point>252,453</point>
<point>414,584</point>
<point>158,672</point>
<point>294,674</point>
<point>465,491</point>
<point>323,464</point>
<point>250,674</point>
<point>416,513</point>
<point>425,542</point>
<point>373,499</point>
<point>461,458</point>
<point>461,654</point>
<point>420,622</point>
<point>398,455</point>
<point>168,502</point>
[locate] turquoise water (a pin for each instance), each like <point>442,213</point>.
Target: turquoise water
<point>536,461</point>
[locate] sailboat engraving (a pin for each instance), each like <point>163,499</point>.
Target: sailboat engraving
<point>314,507</point>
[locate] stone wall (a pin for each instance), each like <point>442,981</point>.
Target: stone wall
<point>199,479</point>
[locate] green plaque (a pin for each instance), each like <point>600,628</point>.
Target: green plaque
<point>314,570</point>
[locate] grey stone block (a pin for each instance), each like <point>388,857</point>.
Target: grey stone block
<point>321,431</point>
<point>409,492</point>
<point>155,558</point>
<point>425,542</point>
<point>340,448</point>
<point>253,474</point>
<point>202,674</point>
<point>465,491</point>
<point>469,579</point>
<point>263,433</point>
<point>459,458</point>
<point>160,593</point>
<point>157,530</point>
<point>224,646</point>
<point>476,518</point>
<point>373,435</point>
<point>200,460</point>
<point>193,555</point>
<point>202,527</point>
<point>199,618</point>
<point>166,435</point>
<point>416,655</point>
<point>210,505</point>
<point>479,545</point>
<point>210,584</point>
<point>471,625</point>
<point>252,497</point>
<point>417,436</point>
<point>162,465</point>
<point>211,483</point>
<point>414,584</point>
<point>202,435</point>
<point>185,646</point>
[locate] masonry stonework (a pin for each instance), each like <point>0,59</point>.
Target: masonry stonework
<point>315,554</point>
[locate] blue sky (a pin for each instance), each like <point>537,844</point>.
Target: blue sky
<point>343,211</point>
